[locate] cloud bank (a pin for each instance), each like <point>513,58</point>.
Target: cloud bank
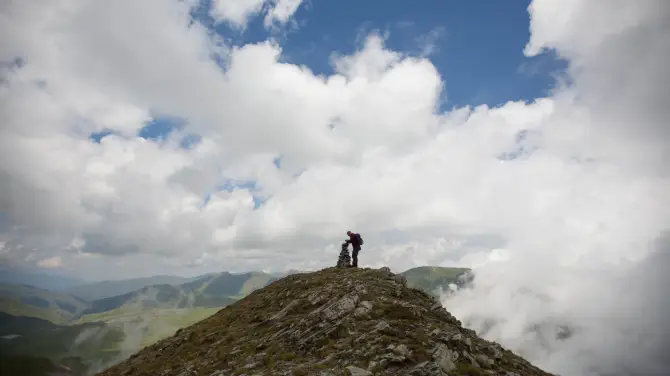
<point>559,203</point>
<point>582,287</point>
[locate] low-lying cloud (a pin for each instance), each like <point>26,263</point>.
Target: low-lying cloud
<point>581,289</point>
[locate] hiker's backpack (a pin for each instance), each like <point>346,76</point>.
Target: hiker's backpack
<point>360,239</point>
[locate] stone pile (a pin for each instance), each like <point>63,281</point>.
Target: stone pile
<point>344,260</point>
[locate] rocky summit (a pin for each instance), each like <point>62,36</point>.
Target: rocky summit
<point>337,321</point>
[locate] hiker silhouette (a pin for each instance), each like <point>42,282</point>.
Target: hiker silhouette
<point>356,242</point>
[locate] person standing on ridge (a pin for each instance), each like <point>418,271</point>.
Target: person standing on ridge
<point>356,241</point>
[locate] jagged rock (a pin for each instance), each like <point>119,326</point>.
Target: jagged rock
<point>284,311</point>
<point>382,325</point>
<point>473,362</point>
<point>363,308</point>
<point>495,351</point>
<point>444,357</point>
<point>387,271</point>
<point>483,360</point>
<point>355,371</point>
<point>401,350</point>
<point>400,279</point>
<point>426,369</point>
<point>189,372</point>
<point>468,342</point>
<point>315,298</point>
<point>340,307</point>
<point>333,322</point>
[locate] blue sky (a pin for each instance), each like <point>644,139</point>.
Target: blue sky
<point>478,49</point>
<point>478,46</point>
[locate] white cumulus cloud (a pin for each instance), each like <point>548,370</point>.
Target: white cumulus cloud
<point>239,12</point>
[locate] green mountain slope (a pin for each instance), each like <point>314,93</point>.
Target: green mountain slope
<point>143,328</point>
<point>230,285</point>
<point>216,290</point>
<point>21,325</point>
<point>80,345</point>
<point>106,289</point>
<point>432,279</point>
<point>215,284</point>
<point>23,300</point>
<point>151,297</point>
<point>26,365</point>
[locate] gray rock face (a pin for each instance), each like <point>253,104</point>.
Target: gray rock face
<point>218,373</point>
<point>444,357</point>
<point>355,371</point>
<point>364,308</point>
<point>382,325</point>
<point>344,305</point>
<point>483,360</point>
<point>335,322</point>
<point>400,279</point>
<point>284,311</point>
<point>402,351</point>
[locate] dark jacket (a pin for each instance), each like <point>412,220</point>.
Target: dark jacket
<point>354,240</point>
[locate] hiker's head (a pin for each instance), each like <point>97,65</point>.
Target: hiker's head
<point>348,232</point>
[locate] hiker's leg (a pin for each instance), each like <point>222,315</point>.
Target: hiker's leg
<point>355,257</point>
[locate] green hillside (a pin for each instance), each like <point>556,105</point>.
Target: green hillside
<point>152,325</point>
<point>22,325</point>
<point>81,345</point>
<point>26,365</point>
<point>24,300</point>
<point>107,289</point>
<point>210,291</point>
<point>150,297</point>
<point>235,285</point>
<point>433,278</point>
<point>229,284</point>
<point>93,340</point>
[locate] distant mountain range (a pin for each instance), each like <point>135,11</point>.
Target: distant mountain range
<point>24,300</point>
<point>66,328</point>
<point>106,289</point>
<point>225,283</point>
<point>435,279</point>
<point>159,292</point>
<point>32,346</point>
<point>21,276</point>
<point>211,290</point>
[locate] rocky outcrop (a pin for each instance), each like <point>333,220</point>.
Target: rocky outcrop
<point>330,323</point>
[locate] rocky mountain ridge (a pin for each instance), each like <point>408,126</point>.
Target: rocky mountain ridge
<point>329,323</point>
